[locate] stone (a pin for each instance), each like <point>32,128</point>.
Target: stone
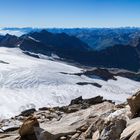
<point>73,108</point>
<point>10,125</point>
<point>75,136</point>
<point>63,138</point>
<point>96,135</point>
<point>94,100</point>
<point>123,113</point>
<point>88,133</point>
<point>132,121</point>
<point>9,137</point>
<point>82,137</point>
<point>134,103</point>
<point>78,100</point>
<point>91,101</point>
<point>28,112</point>
<point>130,130</point>
<point>135,136</point>
<point>83,128</point>
<point>103,73</point>
<point>113,130</point>
<point>27,128</point>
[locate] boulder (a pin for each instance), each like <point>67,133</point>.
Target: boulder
<point>27,128</point>
<point>113,130</point>
<point>132,121</point>
<point>131,132</point>
<point>28,112</point>
<point>78,100</point>
<point>134,103</point>
<point>80,103</point>
<point>123,113</point>
<point>91,101</point>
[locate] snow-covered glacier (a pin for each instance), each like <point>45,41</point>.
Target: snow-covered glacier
<point>27,82</point>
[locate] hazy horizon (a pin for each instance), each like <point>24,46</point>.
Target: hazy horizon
<point>123,27</point>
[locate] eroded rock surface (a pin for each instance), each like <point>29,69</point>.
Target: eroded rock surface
<point>134,103</point>
<point>83,119</point>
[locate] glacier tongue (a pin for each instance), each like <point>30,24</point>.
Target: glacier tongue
<point>27,82</point>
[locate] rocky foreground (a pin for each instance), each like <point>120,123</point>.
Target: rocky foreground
<point>83,119</point>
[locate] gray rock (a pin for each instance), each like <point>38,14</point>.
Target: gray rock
<point>131,131</point>
<point>96,135</point>
<point>113,130</point>
<point>132,121</point>
<point>134,103</point>
<point>135,136</point>
<point>70,123</point>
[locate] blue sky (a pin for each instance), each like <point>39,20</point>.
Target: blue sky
<point>69,13</point>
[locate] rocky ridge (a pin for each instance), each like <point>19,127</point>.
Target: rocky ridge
<point>82,119</point>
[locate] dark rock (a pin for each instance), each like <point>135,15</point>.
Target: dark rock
<point>10,128</point>
<point>91,101</point>
<point>101,73</point>
<point>94,100</point>
<point>87,83</point>
<point>43,108</point>
<point>78,100</point>
<point>28,112</point>
<point>31,54</point>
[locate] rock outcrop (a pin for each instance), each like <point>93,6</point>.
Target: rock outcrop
<point>90,119</point>
<point>26,131</point>
<point>134,103</point>
<point>75,122</point>
<point>132,131</point>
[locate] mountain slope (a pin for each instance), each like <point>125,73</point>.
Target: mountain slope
<point>70,48</point>
<point>118,56</point>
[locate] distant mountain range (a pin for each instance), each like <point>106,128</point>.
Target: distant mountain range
<point>71,48</point>
<point>96,38</point>
<point>101,38</point>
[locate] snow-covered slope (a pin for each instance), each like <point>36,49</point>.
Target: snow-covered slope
<point>27,82</point>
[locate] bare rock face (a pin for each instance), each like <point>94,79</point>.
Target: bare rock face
<point>135,136</point>
<point>26,131</point>
<point>132,131</point>
<point>96,135</point>
<point>113,130</point>
<point>83,119</point>
<point>71,123</point>
<point>80,103</point>
<point>134,103</point>
<point>91,101</point>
